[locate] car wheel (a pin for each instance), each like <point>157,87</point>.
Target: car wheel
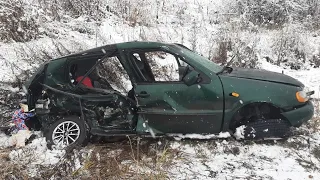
<point>66,133</point>
<point>264,130</point>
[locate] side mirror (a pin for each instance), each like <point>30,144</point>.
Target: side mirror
<point>191,78</point>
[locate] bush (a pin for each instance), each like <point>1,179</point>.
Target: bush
<point>290,48</point>
<point>140,12</point>
<point>94,9</point>
<point>15,23</point>
<point>229,42</point>
<point>264,13</point>
<point>276,13</point>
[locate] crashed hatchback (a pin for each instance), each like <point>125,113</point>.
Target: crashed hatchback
<point>159,89</point>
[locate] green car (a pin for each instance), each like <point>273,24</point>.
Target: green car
<point>159,89</point>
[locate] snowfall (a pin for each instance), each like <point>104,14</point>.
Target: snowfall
<point>185,157</point>
<point>213,157</point>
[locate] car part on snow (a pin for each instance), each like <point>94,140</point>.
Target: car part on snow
<point>42,106</point>
<point>266,129</point>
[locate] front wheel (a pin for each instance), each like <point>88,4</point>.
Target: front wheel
<point>264,129</point>
<point>67,132</point>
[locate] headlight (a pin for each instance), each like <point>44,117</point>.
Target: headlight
<point>302,96</point>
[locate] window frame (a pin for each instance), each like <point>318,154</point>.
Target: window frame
<point>118,57</point>
<point>98,61</point>
<point>143,81</point>
<point>176,60</point>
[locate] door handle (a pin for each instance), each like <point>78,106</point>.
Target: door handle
<point>143,94</point>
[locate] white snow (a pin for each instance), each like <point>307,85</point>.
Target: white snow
<point>224,135</point>
<point>196,24</point>
<point>235,160</point>
<point>200,136</point>
<point>4,141</point>
<point>33,154</point>
<point>36,153</point>
<point>10,88</point>
<point>239,134</point>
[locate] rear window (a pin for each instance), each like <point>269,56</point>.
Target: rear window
<point>56,72</point>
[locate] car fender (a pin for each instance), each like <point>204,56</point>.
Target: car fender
<point>240,92</point>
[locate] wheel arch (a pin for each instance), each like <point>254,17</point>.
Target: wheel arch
<point>255,110</point>
<point>78,117</point>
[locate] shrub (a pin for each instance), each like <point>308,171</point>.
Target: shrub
<point>263,13</point>
<point>289,47</point>
<point>136,12</point>
<point>276,13</point>
<point>15,23</point>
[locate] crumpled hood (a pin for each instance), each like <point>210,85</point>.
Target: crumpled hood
<point>264,75</point>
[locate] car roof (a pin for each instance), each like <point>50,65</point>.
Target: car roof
<point>100,51</point>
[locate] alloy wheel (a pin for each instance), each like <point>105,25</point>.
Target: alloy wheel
<point>66,133</point>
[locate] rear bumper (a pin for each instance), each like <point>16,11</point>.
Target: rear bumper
<point>300,115</point>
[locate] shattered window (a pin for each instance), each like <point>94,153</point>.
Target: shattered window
<point>164,66</point>
<point>111,74</point>
<point>78,69</point>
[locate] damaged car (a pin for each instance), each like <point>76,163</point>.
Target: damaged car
<point>158,89</point>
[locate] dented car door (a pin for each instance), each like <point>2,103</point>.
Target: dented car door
<point>168,104</point>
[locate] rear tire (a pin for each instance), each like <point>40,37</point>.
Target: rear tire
<point>267,129</point>
<point>66,133</point>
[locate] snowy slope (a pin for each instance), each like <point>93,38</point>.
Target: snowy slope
<point>200,25</point>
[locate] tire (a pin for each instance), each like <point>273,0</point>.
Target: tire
<point>76,135</point>
<point>266,129</point>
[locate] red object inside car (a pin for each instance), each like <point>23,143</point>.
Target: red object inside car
<point>86,81</point>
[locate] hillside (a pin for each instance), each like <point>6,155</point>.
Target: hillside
<point>280,36</point>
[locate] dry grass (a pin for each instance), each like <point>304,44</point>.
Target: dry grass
<point>9,170</point>
<point>316,104</point>
<point>314,124</point>
<point>316,152</point>
<point>132,159</point>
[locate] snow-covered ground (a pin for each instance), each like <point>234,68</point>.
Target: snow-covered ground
<point>236,160</point>
<point>200,25</point>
